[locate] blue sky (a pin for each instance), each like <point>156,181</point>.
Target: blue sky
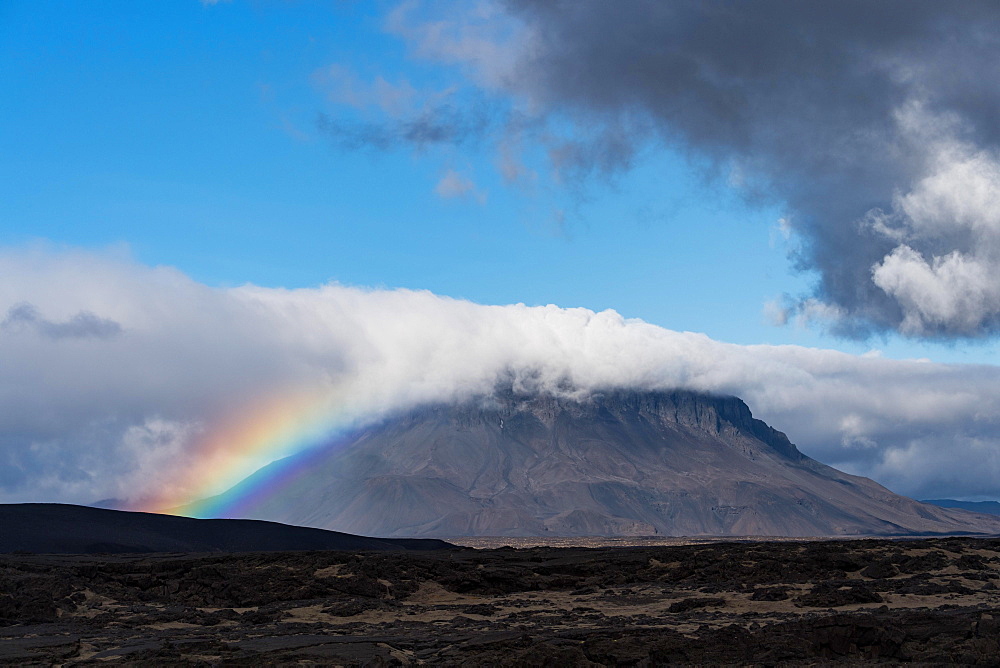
<point>703,167</point>
<point>187,134</point>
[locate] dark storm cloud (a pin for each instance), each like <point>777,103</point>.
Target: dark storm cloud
<point>876,123</point>
<point>81,326</point>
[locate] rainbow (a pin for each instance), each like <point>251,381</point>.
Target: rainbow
<point>242,459</point>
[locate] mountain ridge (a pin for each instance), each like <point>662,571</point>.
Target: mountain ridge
<point>984,507</point>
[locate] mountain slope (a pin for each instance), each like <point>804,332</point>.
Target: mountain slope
<point>617,463</point>
<point>55,528</point>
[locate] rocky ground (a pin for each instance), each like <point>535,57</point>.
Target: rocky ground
<point>770,603</point>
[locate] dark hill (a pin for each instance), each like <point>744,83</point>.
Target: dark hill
<point>617,463</point>
<point>55,528</point>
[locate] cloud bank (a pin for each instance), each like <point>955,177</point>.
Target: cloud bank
<point>110,372</point>
<point>876,124</point>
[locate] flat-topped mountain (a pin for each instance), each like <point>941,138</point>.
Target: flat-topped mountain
<point>671,463</point>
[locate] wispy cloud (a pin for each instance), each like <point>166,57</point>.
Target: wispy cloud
<point>81,326</point>
<point>442,125</point>
<point>343,86</point>
<point>455,186</point>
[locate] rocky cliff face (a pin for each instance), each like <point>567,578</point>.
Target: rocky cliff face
<point>614,463</point>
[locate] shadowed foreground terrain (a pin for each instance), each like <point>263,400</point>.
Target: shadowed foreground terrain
<point>934,601</point>
<point>58,528</point>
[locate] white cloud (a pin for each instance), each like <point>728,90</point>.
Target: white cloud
<point>944,272</point>
<point>90,417</point>
<point>955,291</point>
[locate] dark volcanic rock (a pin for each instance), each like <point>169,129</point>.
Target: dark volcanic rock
<point>641,606</point>
<point>832,595</point>
<point>614,463</point>
<point>65,529</point>
<point>880,569</point>
<point>770,594</point>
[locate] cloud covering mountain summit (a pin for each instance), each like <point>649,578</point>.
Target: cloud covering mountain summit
<point>126,415</point>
